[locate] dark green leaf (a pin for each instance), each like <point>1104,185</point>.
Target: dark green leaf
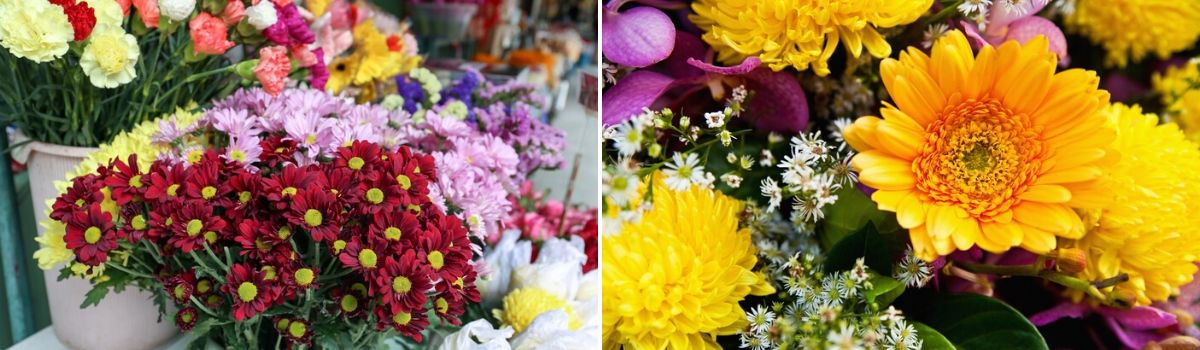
<point>931,339</point>
<point>850,213</point>
<point>879,250</point>
<point>883,290</point>
<point>973,321</point>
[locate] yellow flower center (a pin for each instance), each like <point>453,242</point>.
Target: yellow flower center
<point>349,303</point>
<point>436,260</point>
<point>208,192</point>
<point>203,286</point>
<point>375,195</point>
<point>288,191</point>
<point>238,155</point>
<point>194,227</point>
<point>138,222</point>
<point>260,245</point>
<point>524,304</point>
<point>304,276</point>
<point>405,183</point>
<point>173,190</point>
<point>402,318</point>
<point>135,181</point>
<point>210,237</point>
<point>268,273</point>
<point>367,258</point>
<point>416,209</point>
<point>284,232</point>
<point>244,197</point>
<point>310,139</point>
<point>979,156</point>
<point>194,156</point>
<point>442,305</point>
<point>180,291</point>
<point>401,285</point>
<point>186,317</point>
<point>282,324</point>
<point>392,233</point>
<point>313,218</point>
<point>355,163</point>
<point>297,329</point>
<point>110,54</point>
<point>247,291</point>
<point>338,245</point>
<point>80,202</point>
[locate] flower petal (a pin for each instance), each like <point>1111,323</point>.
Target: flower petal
<point>779,104</point>
<point>638,37</point>
<point>635,91</point>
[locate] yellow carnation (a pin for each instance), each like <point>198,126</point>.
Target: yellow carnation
<point>1131,29</point>
<point>35,29</point>
<point>1151,232</point>
<point>674,279</point>
<point>110,57</point>
<point>789,33</point>
<point>107,12</point>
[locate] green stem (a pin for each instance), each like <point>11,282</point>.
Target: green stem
<point>200,305</point>
<point>130,272</point>
<point>1036,270</point>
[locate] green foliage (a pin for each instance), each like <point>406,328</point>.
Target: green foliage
<point>883,290</point>
<point>879,250</point>
<point>975,322</point>
<point>850,213</point>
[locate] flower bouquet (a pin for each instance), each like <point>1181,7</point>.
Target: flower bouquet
<point>364,47</point>
<point>995,183</point>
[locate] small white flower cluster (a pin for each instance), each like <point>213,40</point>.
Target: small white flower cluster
<point>912,271</point>
<point>812,175</point>
<point>848,96</point>
<point>975,8</point>
<point>824,311</point>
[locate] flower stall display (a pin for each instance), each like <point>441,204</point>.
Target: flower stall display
<point>363,46</point>
<point>769,185</point>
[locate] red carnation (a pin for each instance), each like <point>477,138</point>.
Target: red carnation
<point>81,16</point>
<point>90,234</point>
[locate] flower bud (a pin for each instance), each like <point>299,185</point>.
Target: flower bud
<point>1071,260</point>
<point>655,150</point>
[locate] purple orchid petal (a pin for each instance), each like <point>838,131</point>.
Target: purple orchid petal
<point>687,46</point>
<point>977,41</point>
<point>779,104</point>
<point>1141,317</point>
<point>1027,28</point>
<point>747,65</point>
<point>1122,87</point>
<point>635,91</point>
<point>1134,339</point>
<point>1003,14</point>
<point>1065,309</point>
<point>638,37</point>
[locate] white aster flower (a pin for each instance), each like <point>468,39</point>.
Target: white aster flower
<point>838,128</point>
<point>859,273</point>
<point>807,209</point>
<point>628,137</point>
<point>760,318</point>
<point>913,271</point>
<point>732,180</point>
<point>714,119</point>
<point>621,186</point>
<point>933,33</point>
<point>774,194</point>
<point>844,339</point>
<point>903,335</point>
<point>684,172</point>
<point>974,7</point>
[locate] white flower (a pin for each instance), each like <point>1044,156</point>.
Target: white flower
<point>622,186</point>
<point>707,180</point>
<point>903,335</point>
<point>177,10</point>
<point>262,15</point>
<point>891,315</point>
<point>859,273</point>
<point>810,147</point>
<point>684,172</point>
<point>913,271</point>
<point>807,209</point>
<point>845,285</point>
<point>774,194</point>
<point>732,180</point>
<point>726,137</point>
<point>628,138</point>
<point>844,339</point>
<point>501,259</point>
<point>766,158</point>
<point>110,58</point>
<point>715,119</point>
<point>760,318</point>
<point>551,331</point>
<point>107,12</point>
<point>838,127</point>
<point>843,173</point>
<point>978,7</point>
<point>796,170</point>
<point>609,132</point>
<point>478,335</point>
<point>933,33</point>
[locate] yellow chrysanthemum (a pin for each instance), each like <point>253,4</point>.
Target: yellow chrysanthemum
<point>1131,29</point>
<point>1179,90</point>
<point>36,30</point>
<point>789,33</point>
<point>1151,231</point>
<point>992,150</point>
<point>674,279</point>
<point>523,305</point>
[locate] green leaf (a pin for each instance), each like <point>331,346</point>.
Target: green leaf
<point>931,339</point>
<point>976,322</point>
<point>94,296</point>
<point>883,290</point>
<point>879,250</point>
<point>850,213</point>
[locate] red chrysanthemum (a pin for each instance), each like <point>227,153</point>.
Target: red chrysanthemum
<point>362,258</point>
<point>126,181</point>
<point>162,220</point>
<point>246,189</point>
<point>445,246</point>
<point>204,183</point>
<point>344,186</point>
<point>411,174</point>
<point>399,229</point>
<point>448,307</point>
<point>262,241</point>
<point>185,319</point>
<point>590,244</point>
<point>136,223</point>
<point>251,294</point>
<point>166,181</point>
<point>379,194</point>
<point>196,225</point>
<point>296,331</point>
<point>360,157</point>
<point>403,282</point>
<point>90,234</point>
<point>350,301</point>
<point>314,209</point>
<point>409,322</point>
<point>84,191</point>
<point>277,150</point>
<point>287,183</point>
<point>181,286</point>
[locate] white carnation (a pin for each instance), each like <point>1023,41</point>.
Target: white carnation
<point>262,15</point>
<point>176,10</point>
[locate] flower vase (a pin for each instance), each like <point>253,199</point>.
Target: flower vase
<point>125,320</point>
<point>447,21</point>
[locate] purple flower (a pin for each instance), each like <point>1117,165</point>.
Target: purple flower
<point>290,29</point>
<point>1018,22</point>
<point>1134,326</point>
<point>312,133</point>
<point>244,150</point>
<point>235,122</point>
<point>410,89</point>
<point>319,72</point>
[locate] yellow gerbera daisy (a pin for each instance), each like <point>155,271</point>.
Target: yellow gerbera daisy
<point>792,33</point>
<point>1151,231</point>
<point>674,279</point>
<point>992,150</point>
<point>1179,89</point>
<point>1130,29</point>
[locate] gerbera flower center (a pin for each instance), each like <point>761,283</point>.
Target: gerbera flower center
<point>194,227</point>
<point>375,195</point>
<point>979,156</point>
<point>436,260</point>
<point>247,291</point>
<point>393,233</point>
<point>208,192</point>
<point>304,276</point>
<point>355,163</point>
<point>401,284</point>
<point>313,217</point>
<point>135,181</point>
<point>367,258</point>
<point>402,318</point>
<point>92,235</point>
<point>404,181</point>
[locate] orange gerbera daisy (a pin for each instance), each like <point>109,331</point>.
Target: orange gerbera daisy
<point>992,150</point>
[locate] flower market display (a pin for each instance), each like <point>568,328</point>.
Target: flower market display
<point>961,174</point>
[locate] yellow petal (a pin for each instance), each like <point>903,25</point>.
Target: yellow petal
<point>1046,194</point>
<point>1077,174</point>
<point>966,231</point>
<point>1037,241</point>
<point>922,244</point>
<point>887,179</point>
<point>910,212</point>
<point>1054,218</point>
<point>861,133</point>
<point>879,159</point>
<point>1003,235</point>
<point>889,200</point>
<point>902,142</point>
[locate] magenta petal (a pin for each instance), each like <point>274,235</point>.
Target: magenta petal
<point>1141,317</point>
<point>1025,29</point>
<point>638,37</point>
<point>1134,339</point>
<point>635,91</point>
<point>1065,309</point>
<point>1001,14</point>
<point>973,36</point>
<point>687,46</point>
<point>746,66</point>
<point>778,104</point>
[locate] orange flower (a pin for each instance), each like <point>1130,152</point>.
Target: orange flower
<point>993,150</point>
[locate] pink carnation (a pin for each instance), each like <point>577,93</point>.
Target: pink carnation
<point>148,10</point>
<point>303,56</point>
<point>273,68</point>
<point>234,12</point>
<point>124,4</point>
<point>209,35</point>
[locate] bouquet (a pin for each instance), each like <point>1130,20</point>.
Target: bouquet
<point>900,174</point>
<point>81,72</point>
<point>364,47</point>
